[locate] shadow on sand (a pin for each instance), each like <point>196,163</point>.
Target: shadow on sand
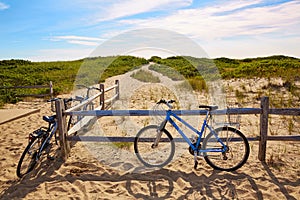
<point>158,184</point>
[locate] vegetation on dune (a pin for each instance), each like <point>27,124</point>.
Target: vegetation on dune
<point>63,74</point>
<point>200,70</point>
<point>96,70</point>
<point>197,71</point>
<point>273,66</point>
<point>145,76</point>
<point>167,71</point>
<point>268,67</point>
<point>180,68</point>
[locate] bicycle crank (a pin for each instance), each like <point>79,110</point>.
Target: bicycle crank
<point>192,152</point>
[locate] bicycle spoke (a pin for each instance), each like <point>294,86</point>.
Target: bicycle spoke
<point>29,158</point>
<point>237,149</point>
<point>152,155</point>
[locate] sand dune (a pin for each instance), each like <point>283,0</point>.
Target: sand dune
<point>86,176</point>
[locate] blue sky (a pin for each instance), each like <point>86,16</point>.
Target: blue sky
<point>47,30</point>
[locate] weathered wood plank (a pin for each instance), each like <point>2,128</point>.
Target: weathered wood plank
<point>284,138</point>
<point>62,128</point>
<point>25,87</point>
<point>131,139</point>
<point>101,97</point>
<point>9,115</point>
<point>117,91</point>
<point>152,113</point>
<point>285,111</point>
<point>241,111</point>
<point>115,97</point>
<point>110,88</point>
<point>85,102</point>
<point>263,129</point>
<point>33,95</point>
<point>117,139</point>
<point>82,123</point>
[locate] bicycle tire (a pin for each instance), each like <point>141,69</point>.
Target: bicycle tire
<point>236,155</point>
<point>158,156</point>
<point>25,164</point>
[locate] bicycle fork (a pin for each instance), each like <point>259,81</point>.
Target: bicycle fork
<point>159,133</point>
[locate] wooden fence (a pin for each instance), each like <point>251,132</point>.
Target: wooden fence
<point>264,112</point>
<point>50,86</point>
<point>61,114</point>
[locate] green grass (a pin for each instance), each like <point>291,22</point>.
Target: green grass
<point>267,67</point>
<point>180,68</point>
<point>63,74</point>
<point>197,71</point>
<point>123,145</point>
<point>272,66</point>
<point>167,71</point>
<point>145,76</point>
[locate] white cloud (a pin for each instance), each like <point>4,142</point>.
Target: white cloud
<point>72,39</point>
<point>237,18</point>
<point>3,6</point>
<point>123,8</point>
<point>247,28</point>
<point>253,48</point>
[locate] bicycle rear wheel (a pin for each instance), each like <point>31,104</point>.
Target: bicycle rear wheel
<point>150,156</point>
<point>237,151</point>
<point>29,157</point>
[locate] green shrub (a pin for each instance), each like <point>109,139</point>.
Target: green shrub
<point>145,76</point>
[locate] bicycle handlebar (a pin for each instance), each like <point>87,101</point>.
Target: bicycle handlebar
<point>168,103</point>
<point>66,100</point>
<point>165,102</point>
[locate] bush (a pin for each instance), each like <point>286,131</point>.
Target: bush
<point>145,76</point>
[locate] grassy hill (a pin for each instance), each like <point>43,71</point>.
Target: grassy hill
<point>198,70</point>
<point>62,73</point>
<point>195,70</point>
<point>273,66</point>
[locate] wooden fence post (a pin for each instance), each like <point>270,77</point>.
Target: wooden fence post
<point>102,96</point>
<point>263,129</point>
<point>62,128</point>
<point>117,89</point>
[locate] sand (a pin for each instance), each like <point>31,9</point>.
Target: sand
<point>85,175</point>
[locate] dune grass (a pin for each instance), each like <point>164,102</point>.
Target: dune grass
<point>145,76</point>
<point>197,71</point>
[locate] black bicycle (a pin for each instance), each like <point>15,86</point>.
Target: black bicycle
<point>39,143</point>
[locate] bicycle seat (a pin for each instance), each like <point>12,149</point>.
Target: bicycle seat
<point>210,108</point>
<point>49,119</point>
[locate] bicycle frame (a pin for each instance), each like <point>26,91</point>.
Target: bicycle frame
<point>52,127</point>
<point>205,125</point>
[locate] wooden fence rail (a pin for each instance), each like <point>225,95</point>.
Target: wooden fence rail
<point>61,114</point>
<point>264,112</point>
<point>50,86</point>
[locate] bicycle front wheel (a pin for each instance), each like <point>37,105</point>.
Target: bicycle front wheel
<point>29,157</point>
<point>150,155</point>
<point>237,149</point>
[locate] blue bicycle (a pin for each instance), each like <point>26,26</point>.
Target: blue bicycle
<point>224,148</point>
<point>39,143</point>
